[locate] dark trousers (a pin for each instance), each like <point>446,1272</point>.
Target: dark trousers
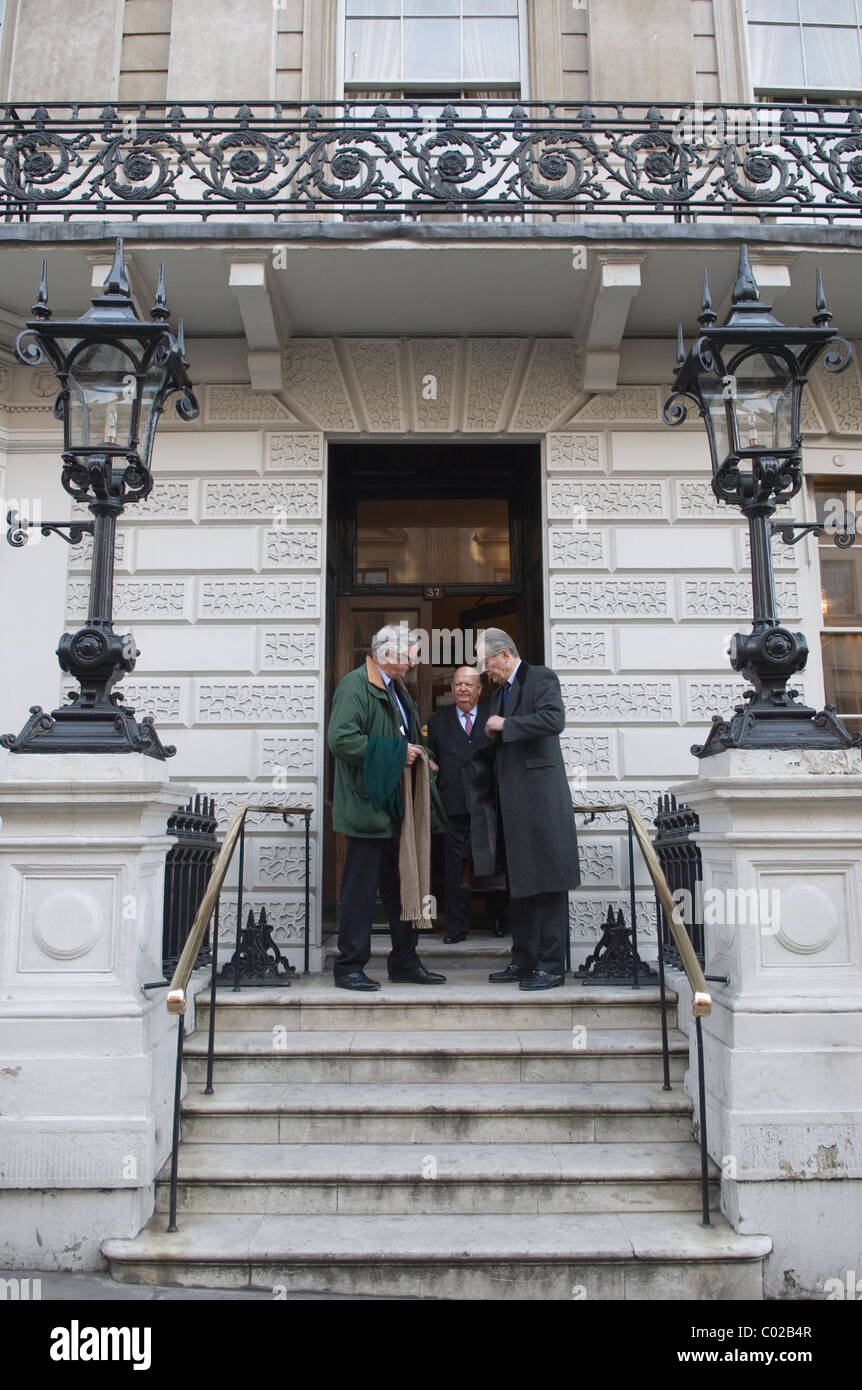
<point>371,866</point>
<point>539,925</point>
<point>458,916</point>
<point>455,847</point>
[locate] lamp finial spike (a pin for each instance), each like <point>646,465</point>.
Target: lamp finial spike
<point>707,315</point>
<point>117,281</point>
<point>40,308</point>
<point>159,310</point>
<point>822,316</point>
<point>745,290</point>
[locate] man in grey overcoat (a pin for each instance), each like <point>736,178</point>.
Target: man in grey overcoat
<point>520,803</point>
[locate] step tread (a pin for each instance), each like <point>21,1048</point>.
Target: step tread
<point>668,1237</point>
<point>546,1163</point>
<point>471,987</point>
<point>423,1097</point>
<point>490,1042</point>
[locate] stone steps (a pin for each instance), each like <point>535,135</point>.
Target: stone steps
<point>470,1004</point>
<point>462,1141</point>
<point>449,1112</point>
<point>469,1178</point>
<point>494,1056</point>
<point>586,1256</point>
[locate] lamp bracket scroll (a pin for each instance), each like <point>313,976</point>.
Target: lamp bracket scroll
<point>17,534</point>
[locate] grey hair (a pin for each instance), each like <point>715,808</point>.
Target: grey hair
<point>392,638</point>
<point>495,639</point>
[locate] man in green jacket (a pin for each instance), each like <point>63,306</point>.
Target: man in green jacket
<point>373,732</point>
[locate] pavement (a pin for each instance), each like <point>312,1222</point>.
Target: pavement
<point>91,1287</point>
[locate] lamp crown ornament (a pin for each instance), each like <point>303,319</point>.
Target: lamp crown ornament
<point>40,308</point>
<point>746,376</point>
<point>115,372</point>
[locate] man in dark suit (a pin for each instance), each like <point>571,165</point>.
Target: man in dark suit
<point>453,732</point>
<point>518,785</point>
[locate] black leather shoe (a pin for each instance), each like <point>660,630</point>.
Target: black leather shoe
<point>512,972</point>
<point>455,936</point>
<point>542,979</point>
<point>357,979</point>
<point>420,976</point>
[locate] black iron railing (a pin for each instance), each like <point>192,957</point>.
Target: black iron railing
<point>701,1004</point>
<point>406,160</point>
<point>680,859</point>
<point>187,869</point>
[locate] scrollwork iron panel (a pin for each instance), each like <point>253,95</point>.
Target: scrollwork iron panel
<point>396,159</point>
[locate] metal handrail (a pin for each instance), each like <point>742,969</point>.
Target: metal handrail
<point>701,999</point>
<point>177,998</point>
<point>701,1003</point>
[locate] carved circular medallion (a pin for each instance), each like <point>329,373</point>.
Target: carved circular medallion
<point>808,920</point>
<point>38,165</point>
<point>758,169</point>
<point>553,166</point>
<point>778,646</point>
<point>138,167</point>
<point>244,164</point>
<point>452,164</point>
<point>346,166</point>
<point>658,166</point>
<point>67,924</point>
<point>89,646</point>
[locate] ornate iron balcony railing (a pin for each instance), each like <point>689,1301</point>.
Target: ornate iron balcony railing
<point>401,159</point>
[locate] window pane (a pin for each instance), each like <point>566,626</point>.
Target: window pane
<point>841,585</point>
<point>828,11</point>
<point>431,49</point>
<point>832,57</point>
<point>842,671</point>
<point>372,50</point>
<point>373,7</point>
<point>431,7</point>
<point>782,11</point>
<point>491,7</point>
<point>491,50</point>
<point>424,541</point>
<point>776,56</point>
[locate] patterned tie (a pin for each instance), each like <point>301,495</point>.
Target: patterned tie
<point>506,688</point>
<point>468,724</point>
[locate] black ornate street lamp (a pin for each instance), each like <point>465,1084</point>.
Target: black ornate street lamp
<point>115,373</point>
<point>747,377</point>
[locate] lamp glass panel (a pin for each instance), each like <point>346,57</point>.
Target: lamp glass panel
<point>102,391</point>
<point>149,418</point>
<point>764,403</point>
<point>712,390</point>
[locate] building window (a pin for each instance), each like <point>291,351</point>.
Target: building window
<point>402,42</point>
<point>805,45</point>
<point>838,506</point>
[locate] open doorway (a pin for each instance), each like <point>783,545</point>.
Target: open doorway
<point>443,537</point>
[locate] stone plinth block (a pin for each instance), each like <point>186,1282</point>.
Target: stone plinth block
<point>781,840</point>
<point>88,1054</point>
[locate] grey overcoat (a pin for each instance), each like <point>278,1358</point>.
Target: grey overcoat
<point>521,776</point>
